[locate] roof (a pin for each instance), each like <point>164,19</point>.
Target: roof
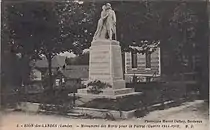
<point>76,71</point>
<point>57,61</point>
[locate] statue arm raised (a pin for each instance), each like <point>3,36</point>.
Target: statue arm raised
<point>104,15</point>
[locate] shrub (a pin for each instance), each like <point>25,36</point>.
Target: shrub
<point>62,109</point>
<point>140,113</point>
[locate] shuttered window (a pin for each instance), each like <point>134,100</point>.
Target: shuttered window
<point>148,59</point>
<point>134,59</point>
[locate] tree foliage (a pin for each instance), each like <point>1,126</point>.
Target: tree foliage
<point>76,21</point>
<point>44,28</point>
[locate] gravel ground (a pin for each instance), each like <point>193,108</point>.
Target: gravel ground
<point>196,112</point>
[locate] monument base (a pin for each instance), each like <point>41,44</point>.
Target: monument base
<point>106,63</point>
<point>107,93</point>
<point>118,103</point>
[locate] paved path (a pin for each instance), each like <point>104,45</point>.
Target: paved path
<point>194,111</point>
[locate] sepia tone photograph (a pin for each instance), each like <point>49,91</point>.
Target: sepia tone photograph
<point>109,65</point>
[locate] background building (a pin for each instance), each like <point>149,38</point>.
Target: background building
<point>144,66</point>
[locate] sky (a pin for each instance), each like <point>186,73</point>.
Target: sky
<point>67,54</point>
<point>70,54</point>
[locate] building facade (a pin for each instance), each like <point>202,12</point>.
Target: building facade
<point>144,67</point>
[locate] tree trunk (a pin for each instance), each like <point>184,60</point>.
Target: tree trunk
<point>25,69</point>
<point>208,12</point>
<point>205,62</point>
<point>123,64</point>
<point>50,71</point>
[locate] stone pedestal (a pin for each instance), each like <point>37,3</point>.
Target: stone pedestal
<point>106,65</point>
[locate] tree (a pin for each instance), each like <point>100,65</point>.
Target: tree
<point>137,25</point>
<point>77,21</point>
<point>44,28</point>
<point>10,72</point>
<point>183,23</point>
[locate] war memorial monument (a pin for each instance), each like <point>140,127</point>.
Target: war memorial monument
<point>105,62</point>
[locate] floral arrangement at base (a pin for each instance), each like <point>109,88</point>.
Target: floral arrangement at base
<point>96,86</point>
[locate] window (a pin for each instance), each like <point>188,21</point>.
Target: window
<point>148,59</point>
<point>57,82</point>
<point>63,80</point>
<point>134,59</point>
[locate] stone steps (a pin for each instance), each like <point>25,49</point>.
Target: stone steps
<point>75,114</point>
